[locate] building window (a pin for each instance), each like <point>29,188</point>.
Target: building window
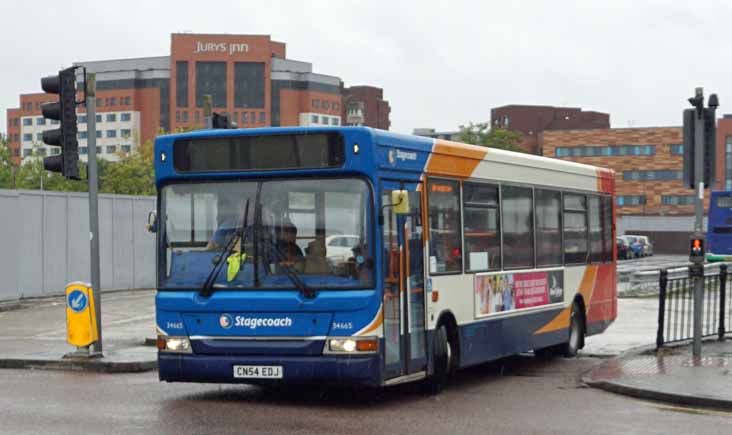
<point>613,150</point>
<point>111,133</point>
<point>126,148</point>
<point>55,122</point>
<point>316,104</point>
<point>548,205</point>
<point>249,84</point>
<point>244,118</point>
<point>125,132</point>
<point>111,117</point>
<point>99,118</point>
<point>211,80</point>
<point>181,84</point>
<point>630,200</point>
<point>27,137</point>
<point>83,150</point>
<point>184,115</point>
<point>197,116</point>
<point>333,121</point>
<point>314,119</point>
<point>336,106</point>
<point>482,231</point>
<point>55,151</point>
<point>27,121</point>
<point>113,101</point>
<point>506,121</point>
<point>261,117</point>
<point>27,152</point>
<point>81,119</point>
<point>125,116</point>
<point>326,105</point>
<point>39,136</point>
<point>575,229</point>
<point>444,221</point>
<point>111,149</point>
<point>100,102</point>
<point>99,134</point>
<point>83,134</point>
<point>41,151</point>
<point>177,116</point>
<point>40,121</point>
<point>253,117</point>
<point>660,175</point>
<point>676,149</point>
<point>677,199</point>
<point>99,150</point>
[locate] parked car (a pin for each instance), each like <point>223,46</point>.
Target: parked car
<point>647,245</point>
<point>635,245</point>
<point>340,247</point>
<point>623,248</point>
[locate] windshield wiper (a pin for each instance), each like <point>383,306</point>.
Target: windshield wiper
<point>290,272</point>
<point>207,289</point>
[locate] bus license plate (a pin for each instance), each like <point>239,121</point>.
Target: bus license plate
<point>258,372</point>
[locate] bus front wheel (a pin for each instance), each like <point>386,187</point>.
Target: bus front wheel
<point>440,362</point>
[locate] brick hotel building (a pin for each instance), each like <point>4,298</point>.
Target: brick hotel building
<point>248,76</point>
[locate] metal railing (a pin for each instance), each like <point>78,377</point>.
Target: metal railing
<point>676,304</point>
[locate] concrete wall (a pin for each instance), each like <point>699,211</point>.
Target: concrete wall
<point>44,242</point>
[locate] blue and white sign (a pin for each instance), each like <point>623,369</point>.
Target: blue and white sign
<point>77,301</point>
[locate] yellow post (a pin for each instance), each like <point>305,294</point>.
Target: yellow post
<point>81,316</point>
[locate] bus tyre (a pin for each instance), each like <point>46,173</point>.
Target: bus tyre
<point>576,333</point>
<point>440,362</point>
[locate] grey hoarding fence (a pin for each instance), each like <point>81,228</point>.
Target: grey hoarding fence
<point>44,242</point>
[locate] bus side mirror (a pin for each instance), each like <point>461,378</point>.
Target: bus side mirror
<point>400,201</point>
<point>152,222</point>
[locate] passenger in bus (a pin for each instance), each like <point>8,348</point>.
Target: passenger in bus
<point>361,264</point>
<point>315,261</point>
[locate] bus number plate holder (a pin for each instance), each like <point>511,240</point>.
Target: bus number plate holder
<point>258,372</point>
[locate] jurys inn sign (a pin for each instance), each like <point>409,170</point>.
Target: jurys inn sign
<point>220,47</point>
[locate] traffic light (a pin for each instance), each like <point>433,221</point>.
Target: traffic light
<point>64,111</point>
<point>221,120</point>
<point>696,248</point>
<point>709,145</point>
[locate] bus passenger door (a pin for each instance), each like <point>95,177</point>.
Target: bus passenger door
<point>404,295</point>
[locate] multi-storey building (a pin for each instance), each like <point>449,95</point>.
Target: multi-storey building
<point>247,76</point>
<point>365,105</point>
<point>531,121</point>
<point>651,197</point>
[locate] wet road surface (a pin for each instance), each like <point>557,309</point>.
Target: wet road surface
<point>518,395</point>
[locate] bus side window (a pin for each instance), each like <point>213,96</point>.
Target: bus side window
<point>575,229</point>
<point>444,215</point>
<point>482,227</point>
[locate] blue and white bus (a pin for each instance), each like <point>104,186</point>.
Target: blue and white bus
<point>350,255</point>
<point>719,226</point>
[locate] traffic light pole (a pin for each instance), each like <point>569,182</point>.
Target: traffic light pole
<point>698,227</point>
<point>91,168</point>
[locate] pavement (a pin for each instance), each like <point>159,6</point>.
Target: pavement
<point>33,334</point>
<point>670,374</point>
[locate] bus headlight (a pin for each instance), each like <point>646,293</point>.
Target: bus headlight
<point>353,345</point>
<point>174,344</point>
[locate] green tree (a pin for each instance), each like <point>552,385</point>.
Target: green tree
<point>131,175</point>
<point>482,134</point>
<point>6,164</point>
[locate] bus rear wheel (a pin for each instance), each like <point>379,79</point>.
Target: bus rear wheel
<point>576,333</point>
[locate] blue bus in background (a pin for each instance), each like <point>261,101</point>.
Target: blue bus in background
<point>348,255</point>
<point>719,224</point>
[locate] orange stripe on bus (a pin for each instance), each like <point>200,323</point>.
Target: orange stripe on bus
<point>454,159</point>
<point>377,321</point>
<point>561,320</point>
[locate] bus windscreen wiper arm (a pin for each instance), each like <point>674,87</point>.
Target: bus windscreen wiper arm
<point>290,273</point>
<point>228,249</point>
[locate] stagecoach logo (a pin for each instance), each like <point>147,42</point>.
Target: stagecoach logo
<point>395,155</point>
<point>225,321</point>
<point>221,47</point>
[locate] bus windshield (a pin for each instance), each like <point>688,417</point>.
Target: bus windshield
<point>315,228</point>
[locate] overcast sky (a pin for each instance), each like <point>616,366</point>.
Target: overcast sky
<point>440,63</point>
